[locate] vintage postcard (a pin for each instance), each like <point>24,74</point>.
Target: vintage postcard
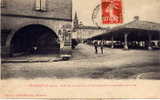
<point>77,49</point>
<point>79,99</point>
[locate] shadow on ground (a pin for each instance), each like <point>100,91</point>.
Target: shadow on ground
<point>113,64</point>
<point>128,72</point>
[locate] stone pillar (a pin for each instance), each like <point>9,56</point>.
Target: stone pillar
<point>149,42</point>
<point>125,41</point>
<point>112,39</point>
<point>6,51</point>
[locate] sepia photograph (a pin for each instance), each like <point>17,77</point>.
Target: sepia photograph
<point>80,49</point>
<point>59,39</point>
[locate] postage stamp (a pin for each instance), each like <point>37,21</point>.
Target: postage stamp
<point>111,11</point>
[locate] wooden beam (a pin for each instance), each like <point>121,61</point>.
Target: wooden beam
<point>112,39</point>
<point>126,41</point>
<point>149,41</point>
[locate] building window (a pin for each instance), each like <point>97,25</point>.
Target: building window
<point>3,3</point>
<point>41,5</point>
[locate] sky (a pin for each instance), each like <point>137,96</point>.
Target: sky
<point>148,10</point>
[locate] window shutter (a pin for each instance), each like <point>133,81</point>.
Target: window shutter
<point>43,5</point>
<point>3,3</point>
<point>38,5</point>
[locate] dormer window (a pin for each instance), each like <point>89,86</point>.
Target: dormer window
<point>40,5</point>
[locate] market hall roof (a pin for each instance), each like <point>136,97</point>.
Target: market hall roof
<point>138,24</point>
<point>137,28</point>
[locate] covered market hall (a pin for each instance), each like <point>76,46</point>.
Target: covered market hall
<point>136,34</point>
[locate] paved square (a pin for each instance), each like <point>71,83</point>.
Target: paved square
<point>113,64</point>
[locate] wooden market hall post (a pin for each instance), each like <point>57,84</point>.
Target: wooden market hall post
<point>149,41</point>
<point>125,41</point>
<point>112,39</point>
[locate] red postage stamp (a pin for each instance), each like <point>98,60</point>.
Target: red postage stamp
<point>111,11</point>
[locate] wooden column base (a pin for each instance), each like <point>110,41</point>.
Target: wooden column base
<point>125,47</point>
<point>149,48</point>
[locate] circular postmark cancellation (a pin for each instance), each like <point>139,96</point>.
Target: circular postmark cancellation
<point>96,15</point>
<point>108,12</point>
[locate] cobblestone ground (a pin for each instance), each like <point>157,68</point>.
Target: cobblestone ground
<point>113,64</point>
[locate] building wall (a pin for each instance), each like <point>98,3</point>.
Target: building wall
<point>54,8</point>
<point>16,14</point>
<point>87,33</point>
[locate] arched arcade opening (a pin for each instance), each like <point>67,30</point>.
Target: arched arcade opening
<point>35,39</point>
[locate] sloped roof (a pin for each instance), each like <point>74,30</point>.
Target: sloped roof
<point>134,25</point>
<point>138,24</point>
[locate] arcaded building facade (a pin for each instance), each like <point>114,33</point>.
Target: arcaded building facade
<point>33,23</point>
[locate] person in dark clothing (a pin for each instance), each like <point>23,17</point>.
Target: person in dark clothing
<point>96,46</point>
<point>74,43</point>
<point>34,49</point>
<point>101,44</point>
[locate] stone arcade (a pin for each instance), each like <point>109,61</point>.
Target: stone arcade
<point>28,24</point>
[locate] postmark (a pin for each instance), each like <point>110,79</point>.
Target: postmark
<point>95,14</point>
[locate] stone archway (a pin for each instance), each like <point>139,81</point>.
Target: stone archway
<point>34,39</point>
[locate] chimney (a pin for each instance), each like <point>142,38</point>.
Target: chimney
<point>136,18</point>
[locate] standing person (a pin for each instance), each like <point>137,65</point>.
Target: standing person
<point>96,46</point>
<point>101,45</point>
<point>35,49</point>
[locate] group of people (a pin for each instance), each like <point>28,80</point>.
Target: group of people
<point>98,44</point>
